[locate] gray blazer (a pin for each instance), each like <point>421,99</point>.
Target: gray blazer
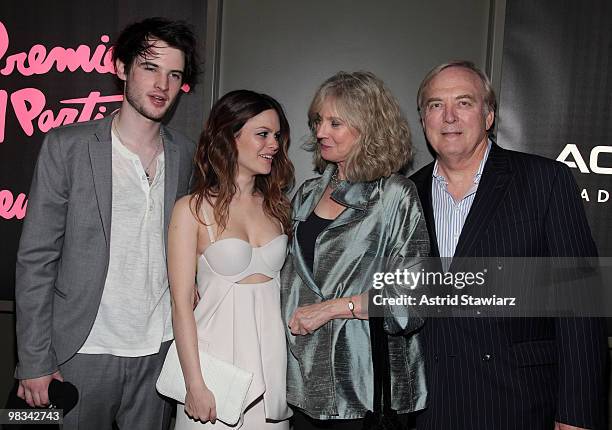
<point>65,243</point>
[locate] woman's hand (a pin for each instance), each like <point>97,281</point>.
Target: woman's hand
<point>200,404</point>
<point>307,319</point>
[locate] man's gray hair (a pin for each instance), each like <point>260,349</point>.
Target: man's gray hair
<point>489,95</point>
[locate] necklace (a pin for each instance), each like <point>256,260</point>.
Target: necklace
<point>335,181</point>
<point>160,142</point>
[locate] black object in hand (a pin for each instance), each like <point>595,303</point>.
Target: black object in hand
<point>62,395</point>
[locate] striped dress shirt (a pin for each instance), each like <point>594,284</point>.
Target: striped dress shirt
<point>449,214</point>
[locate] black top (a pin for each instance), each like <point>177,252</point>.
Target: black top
<point>307,236</point>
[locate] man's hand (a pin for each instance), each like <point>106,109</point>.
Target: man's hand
<point>35,391</point>
<point>561,426</point>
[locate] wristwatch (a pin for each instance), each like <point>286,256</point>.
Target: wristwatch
<point>351,307</point>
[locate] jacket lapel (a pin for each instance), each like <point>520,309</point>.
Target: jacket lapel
<point>310,201</point>
<point>354,196</point>
<point>423,184</point>
<point>303,270</point>
<point>491,191</point>
<point>306,208</point>
<point>100,156</point>
<point>171,173</point>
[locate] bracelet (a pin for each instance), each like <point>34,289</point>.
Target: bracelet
<point>351,307</point>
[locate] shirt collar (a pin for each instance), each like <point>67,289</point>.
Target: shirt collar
<point>477,175</point>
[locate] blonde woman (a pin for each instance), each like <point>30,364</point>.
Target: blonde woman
<point>358,218</point>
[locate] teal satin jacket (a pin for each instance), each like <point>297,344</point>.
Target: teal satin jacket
<point>329,373</point>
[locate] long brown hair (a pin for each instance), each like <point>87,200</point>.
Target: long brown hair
<point>216,158</point>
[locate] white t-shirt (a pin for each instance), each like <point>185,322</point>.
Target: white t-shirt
<point>134,316</point>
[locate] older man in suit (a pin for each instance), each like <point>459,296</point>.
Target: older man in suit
<point>484,201</point>
<point>92,294</point>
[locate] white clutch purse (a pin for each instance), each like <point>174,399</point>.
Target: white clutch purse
<point>228,383</point>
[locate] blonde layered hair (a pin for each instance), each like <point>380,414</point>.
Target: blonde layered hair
<point>364,102</point>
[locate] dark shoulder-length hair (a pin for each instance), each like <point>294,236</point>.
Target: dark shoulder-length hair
<point>216,159</point>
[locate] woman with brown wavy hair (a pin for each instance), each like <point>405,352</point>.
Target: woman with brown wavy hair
<point>231,236</point>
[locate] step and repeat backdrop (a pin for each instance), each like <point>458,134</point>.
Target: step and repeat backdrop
<point>556,95</point>
<point>56,69</point>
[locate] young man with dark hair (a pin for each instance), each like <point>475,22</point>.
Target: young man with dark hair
<point>92,297</point>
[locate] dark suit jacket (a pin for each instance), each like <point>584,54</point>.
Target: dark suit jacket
<point>65,242</point>
<point>516,373</point>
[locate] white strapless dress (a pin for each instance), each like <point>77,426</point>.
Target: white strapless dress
<point>241,324</point>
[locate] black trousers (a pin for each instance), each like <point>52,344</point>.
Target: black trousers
<point>301,421</point>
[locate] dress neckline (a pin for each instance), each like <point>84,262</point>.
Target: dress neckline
<point>243,241</point>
